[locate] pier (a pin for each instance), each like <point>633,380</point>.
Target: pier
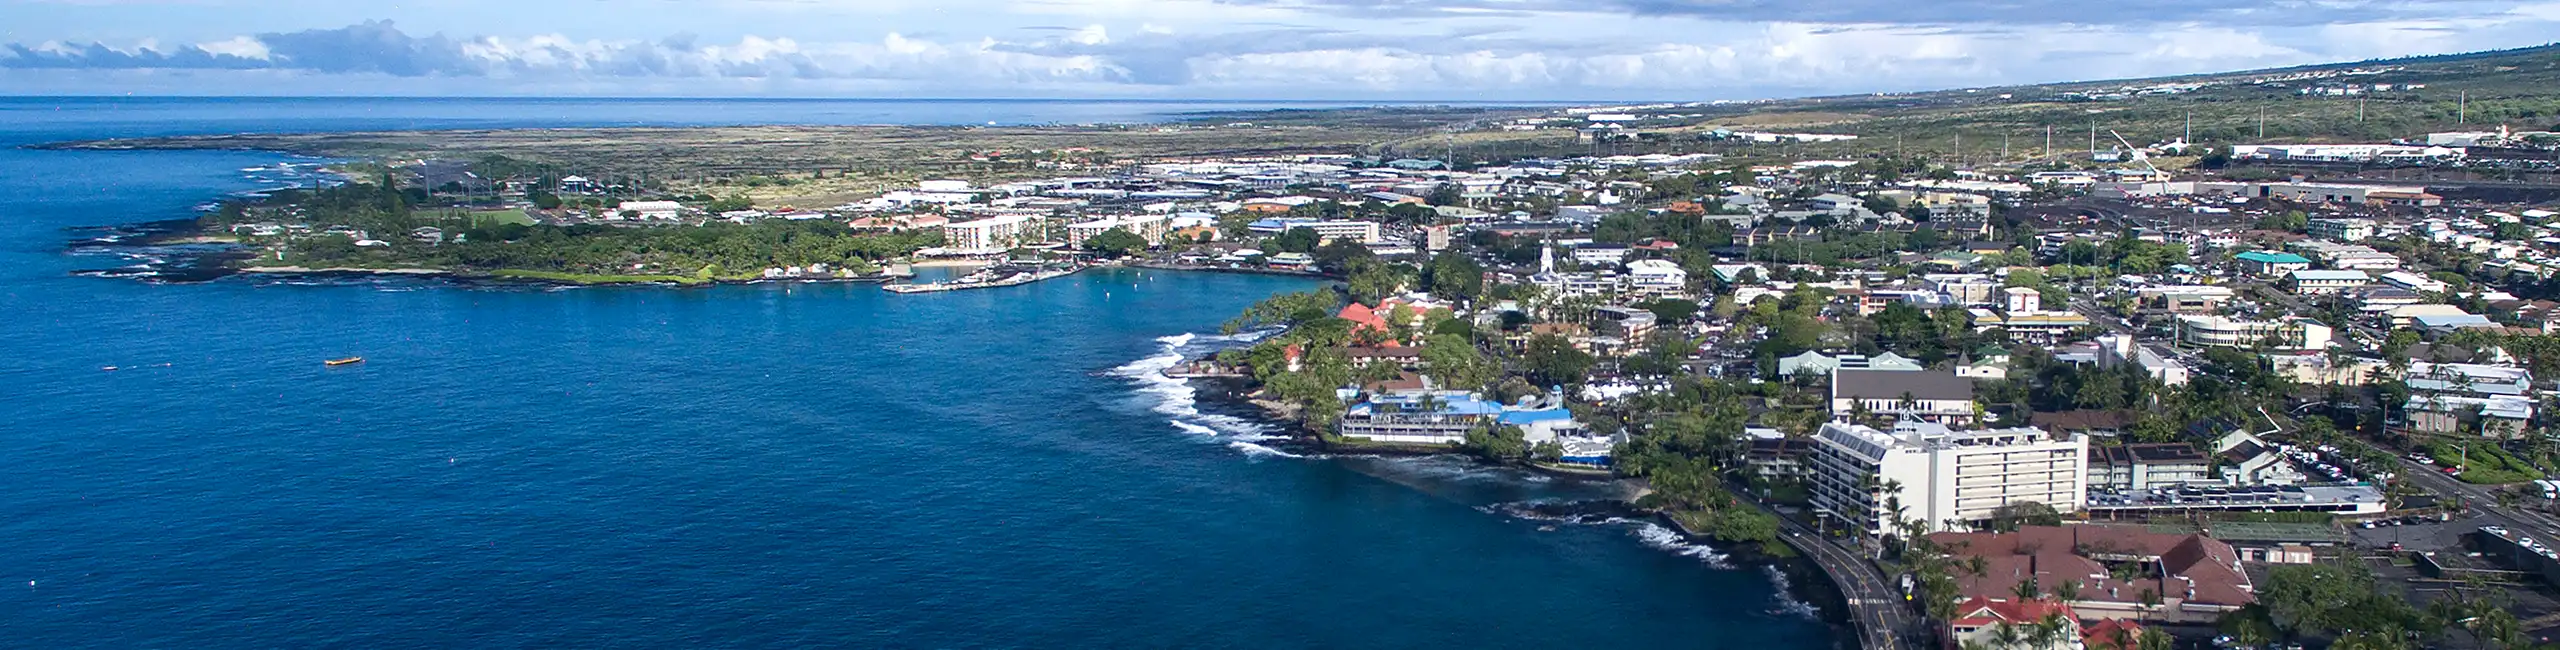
<point>983,280</point>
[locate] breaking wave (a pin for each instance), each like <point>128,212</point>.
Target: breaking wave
<point>1650,533</point>
<point>1787,604</point>
<point>1179,402</point>
<point>1657,536</point>
<point>1251,449</point>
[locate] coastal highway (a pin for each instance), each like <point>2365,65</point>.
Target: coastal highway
<point>2479,499</point>
<point>1876,608</point>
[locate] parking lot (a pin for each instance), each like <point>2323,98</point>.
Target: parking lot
<point>2340,498</point>
<point>2419,535</point>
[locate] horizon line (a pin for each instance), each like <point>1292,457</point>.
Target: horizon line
<point>1474,102</point>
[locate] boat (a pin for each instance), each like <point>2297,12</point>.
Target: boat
<point>344,362</point>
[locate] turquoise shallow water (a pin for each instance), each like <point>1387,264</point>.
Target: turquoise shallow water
<point>753,466</point>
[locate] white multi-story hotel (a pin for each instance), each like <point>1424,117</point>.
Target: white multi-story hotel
<point>2323,282</point>
<point>1946,479</point>
<point>1151,227</point>
<point>990,235</point>
<point>1656,278</point>
<point>2345,230</point>
<point>2221,331</point>
<point>1365,232</point>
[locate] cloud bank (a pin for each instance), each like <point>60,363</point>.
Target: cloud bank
<point>1444,49</point>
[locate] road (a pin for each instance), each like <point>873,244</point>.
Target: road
<point>2480,499</point>
<point>1876,608</point>
<point>2261,290</point>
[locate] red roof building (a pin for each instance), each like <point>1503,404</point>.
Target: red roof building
<point>2111,634</point>
<point>1978,621</point>
<point>2165,576</point>
<point>1364,318</point>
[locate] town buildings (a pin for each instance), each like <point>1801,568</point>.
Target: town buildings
<point>2224,331</point>
<point>990,235</point>
<point>1933,396</point>
<point>2189,578</point>
<point>1946,479</point>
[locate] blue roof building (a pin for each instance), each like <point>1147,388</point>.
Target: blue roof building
<point>2270,262</point>
<point>2447,323</point>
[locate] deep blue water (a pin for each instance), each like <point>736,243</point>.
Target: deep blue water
<point>757,466</point>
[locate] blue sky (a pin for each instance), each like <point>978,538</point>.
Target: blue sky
<point>1265,49</point>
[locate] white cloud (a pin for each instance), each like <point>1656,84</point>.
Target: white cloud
<point>239,46</point>
<point>1495,49</point>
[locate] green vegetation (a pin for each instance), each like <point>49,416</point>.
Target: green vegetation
<point>484,241</point>
<point>2332,600</point>
<point>1116,243</point>
<point>2483,463</point>
<point>590,278</point>
<point>510,216</point>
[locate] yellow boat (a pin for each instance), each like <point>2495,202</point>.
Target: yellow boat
<point>345,361</point>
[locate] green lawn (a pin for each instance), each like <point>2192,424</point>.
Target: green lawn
<point>507,216</point>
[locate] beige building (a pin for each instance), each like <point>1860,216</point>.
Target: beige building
<point>991,235</point>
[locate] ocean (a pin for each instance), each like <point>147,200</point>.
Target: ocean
<point>755,466</point>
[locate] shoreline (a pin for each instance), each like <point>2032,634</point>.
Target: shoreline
<point>1804,581</point>
<point>503,277</point>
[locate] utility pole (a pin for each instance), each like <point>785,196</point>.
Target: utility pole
<point>2462,113</point>
<point>2093,139</point>
<point>2004,147</point>
<point>2189,136</point>
<point>2359,110</point>
<point>2048,141</point>
<point>2262,122</point>
<point>1959,148</point>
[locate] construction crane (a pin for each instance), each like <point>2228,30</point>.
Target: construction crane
<point>2138,154</point>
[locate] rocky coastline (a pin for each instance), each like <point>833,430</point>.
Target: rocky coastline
<point>1799,580</point>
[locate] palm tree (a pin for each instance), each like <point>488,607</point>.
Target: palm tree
<point>2049,630</point>
<point>2027,589</point>
<point>2008,636</point>
<point>2066,590</point>
<point>2152,640</point>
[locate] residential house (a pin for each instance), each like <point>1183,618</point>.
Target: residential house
<point>1934,396</point>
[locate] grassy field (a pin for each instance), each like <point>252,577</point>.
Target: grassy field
<point>2479,91</point>
<point>514,216</point>
<point>817,166</point>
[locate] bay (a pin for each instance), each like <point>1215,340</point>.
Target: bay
<point>745,466</point>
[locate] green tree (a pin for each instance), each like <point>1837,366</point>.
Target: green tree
<point>1447,194</point>
<point>1454,276</point>
<point>1503,443</point>
<point>1295,240</point>
<point>1670,311</point>
<point>2007,518</point>
<point>1455,362</point>
<point>1116,243</point>
<point>1551,360</point>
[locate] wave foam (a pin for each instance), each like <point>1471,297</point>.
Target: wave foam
<point>1176,399</point>
<point>1657,536</point>
<point>1787,603</point>
<point>1251,449</point>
